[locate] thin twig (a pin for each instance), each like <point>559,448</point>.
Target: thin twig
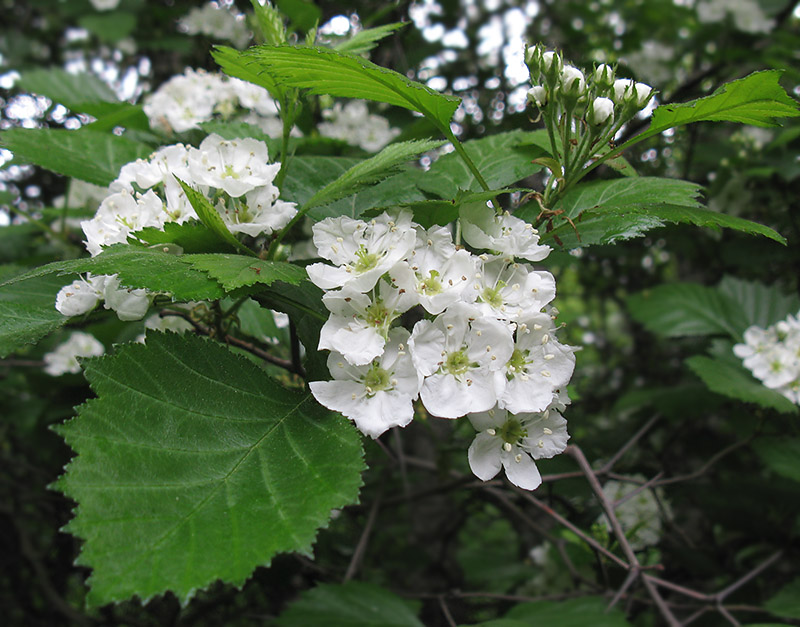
<point>626,447</point>
<point>446,611</point>
<point>361,547</point>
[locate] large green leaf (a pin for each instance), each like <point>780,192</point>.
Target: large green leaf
<point>235,64</point>
<point>325,71</point>
<point>760,305</point>
<point>365,40</point>
<point>787,601</point>
<point>757,99</point>
<point>569,613</point>
<point>137,267</point>
<point>28,312</point>
<point>234,271</point>
<point>686,309</point>
<point>781,455</point>
<point>502,160</point>
<point>193,465</point>
<point>78,92</point>
<point>82,154</point>
<point>732,380</point>
<point>353,604</point>
<point>371,171</point>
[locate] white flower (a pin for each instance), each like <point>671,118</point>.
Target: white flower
<point>129,304</point>
<point>505,234</point>
<point>538,95</point>
<point>80,296</point>
<point>604,75</point>
<point>254,97</point>
<point>105,5</point>
<point>359,323</point>
<point>375,396</point>
<point>362,251</point>
<point>261,213</point>
<point>236,166</point>
<point>538,368</point>
<point>639,514</point>
<point>457,353</point>
<point>572,81</point>
<point>354,124</point>
<point>513,442</point>
<point>119,215</point>
<point>184,101</point>
<point>548,59</point>
<point>627,91</point>
<point>508,290</point>
<point>64,358</point>
<point>602,111</point>
<point>216,22</point>
<point>163,165</point>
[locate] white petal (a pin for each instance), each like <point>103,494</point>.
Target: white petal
<point>484,456</point>
<point>521,469</point>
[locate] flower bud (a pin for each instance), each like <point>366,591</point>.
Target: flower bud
<point>549,59</point>
<point>604,76</point>
<point>538,95</point>
<point>80,297</point>
<point>643,94</point>
<point>129,304</point>
<point>622,89</point>
<point>602,111</point>
<point>572,81</point>
<point>628,92</point>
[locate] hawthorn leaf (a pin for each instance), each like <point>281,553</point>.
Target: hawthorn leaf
<point>78,92</point>
<point>787,601</point>
<point>365,40</point>
<point>235,63</point>
<point>590,610</point>
<point>204,465</point>
<point>781,455</point>
<point>761,305</point>
<point>235,271</point>
<point>82,154</point>
<point>326,71</point>
<point>352,604</point>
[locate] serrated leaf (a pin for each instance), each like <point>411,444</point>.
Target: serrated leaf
<point>442,212</point>
<point>734,381</point>
<point>77,92</point>
<point>304,15</point>
<point>82,154</point>
<point>787,601</point>
<point>28,311</point>
<point>137,268</point>
<point>192,236</point>
<point>365,40</point>
<point>687,309</point>
<point>782,456</point>
<point>235,271</point>
<point>569,613</point>
<point>325,71</point>
<point>760,305</point>
<point>502,160</point>
<point>196,459</point>
<point>235,64</point>
<point>210,217</point>
<point>371,171</point>
<point>353,604</point>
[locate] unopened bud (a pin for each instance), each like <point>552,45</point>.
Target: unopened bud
<point>538,95</point>
<point>572,81</point>
<point>604,76</point>
<point>602,111</point>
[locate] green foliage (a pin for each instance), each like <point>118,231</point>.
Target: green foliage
<point>329,72</point>
<point>760,305</point>
<point>82,154</point>
<point>782,456</point>
<point>353,604</point>
<point>79,92</point>
<point>27,310</point>
<point>235,271</point>
<point>181,485</point>
<point>503,159</point>
<point>568,613</point>
<point>365,40</point>
<point>787,601</point>
<point>235,64</point>
<point>370,171</point>
<point>192,236</point>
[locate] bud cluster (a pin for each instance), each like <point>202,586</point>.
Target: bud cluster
<point>485,347</point>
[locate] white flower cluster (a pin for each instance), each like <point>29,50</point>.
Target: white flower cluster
<point>747,15</point>
<point>216,22</point>
<point>486,346</point>
<point>105,5</point>
<point>236,177</point>
<point>64,359</point>
<point>773,356</point>
<point>638,514</point>
<point>354,124</point>
<point>187,100</point>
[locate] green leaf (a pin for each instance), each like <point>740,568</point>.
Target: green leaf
<point>787,601</point>
<point>733,381</point>
<point>687,309</point>
<point>110,27</point>
<point>353,604</point>
<point>303,15</point>
<point>234,63</point>
<point>77,92</point>
<point>234,271</point>
<point>210,217</point>
<point>137,267</point>
<point>760,305</point>
<point>192,236</point>
<point>569,613</point>
<point>782,456</point>
<point>371,171</point>
<point>193,465</point>
<point>756,99</point>
<point>325,71</point>
<point>365,40</point>
<point>82,154</point>
<point>28,312</point>
<point>502,159</point>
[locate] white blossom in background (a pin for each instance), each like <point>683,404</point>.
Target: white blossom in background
<point>354,124</point>
<point>655,61</point>
<point>639,514</point>
<point>747,15</point>
<point>64,359</point>
<point>773,356</point>
<point>217,22</point>
<point>105,5</point>
<point>513,441</point>
<point>377,395</point>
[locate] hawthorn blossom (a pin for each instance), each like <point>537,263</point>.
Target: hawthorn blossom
<point>354,124</point>
<point>361,251</point>
<point>184,101</point>
<point>119,215</point>
<point>508,290</point>
<point>502,233</point>
<point>637,510</point>
<point>514,441</point>
<point>260,213</point>
<point>64,359</point>
<point>129,304</point>
<point>377,395</point>
<point>80,296</point>
<point>236,166</point>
